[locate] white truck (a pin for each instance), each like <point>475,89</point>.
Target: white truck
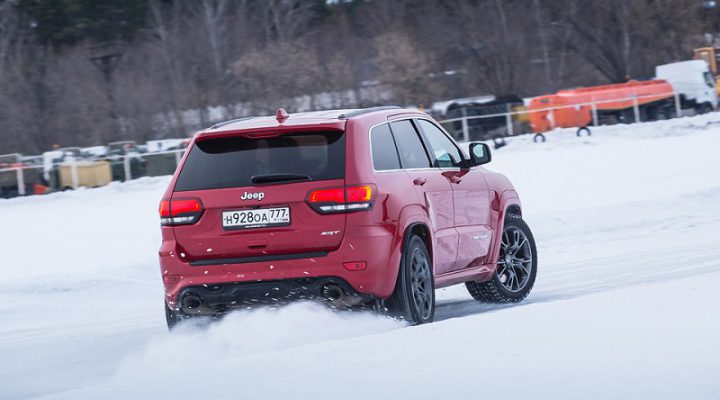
<point>693,81</point>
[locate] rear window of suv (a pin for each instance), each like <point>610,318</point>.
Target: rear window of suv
<point>237,161</point>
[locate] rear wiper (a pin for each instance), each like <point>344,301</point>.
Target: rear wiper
<point>268,178</point>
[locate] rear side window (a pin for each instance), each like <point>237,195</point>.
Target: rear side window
<point>384,152</point>
<point>236,161</point>
<point>412,151</point>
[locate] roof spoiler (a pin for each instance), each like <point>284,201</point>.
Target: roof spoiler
<point>232,121</point>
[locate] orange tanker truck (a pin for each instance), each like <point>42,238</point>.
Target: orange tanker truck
<point>613,103</point>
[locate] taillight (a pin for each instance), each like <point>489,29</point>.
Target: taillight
<point>342,199</point>
<point>334,195</point>
<point>180,211</point>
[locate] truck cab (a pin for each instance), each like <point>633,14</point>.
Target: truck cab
<point>693,81</point>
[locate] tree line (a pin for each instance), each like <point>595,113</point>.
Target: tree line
<point>86,72</point>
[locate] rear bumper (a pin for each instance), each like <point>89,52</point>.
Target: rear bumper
<point>374,245</point>
<point>218,298</point>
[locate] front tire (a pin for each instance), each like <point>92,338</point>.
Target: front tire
<point>516,267</point>
<point>414,296</point>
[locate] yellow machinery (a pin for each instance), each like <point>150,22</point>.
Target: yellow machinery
<point>710,55</point>
<point>88,174</point>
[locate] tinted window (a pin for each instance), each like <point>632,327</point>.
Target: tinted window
<point>446,154</point>
<point>384,152</point>
<point>234,161</point>
<point>412,151</point>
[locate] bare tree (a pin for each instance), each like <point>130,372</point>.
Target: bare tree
<point>542,29</point>
<point>284,20</point>
<point>281,71</point>
<point>404,68</point>
<point>164,26</point>
<point>497,54</point>
<point>8,32</point>
<point>622,38</point>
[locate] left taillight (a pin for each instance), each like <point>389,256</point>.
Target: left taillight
<point>180,211</point>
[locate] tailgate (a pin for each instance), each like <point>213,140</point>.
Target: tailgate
<point>253,193</point>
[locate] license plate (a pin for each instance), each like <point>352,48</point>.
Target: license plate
<point>258,218</point>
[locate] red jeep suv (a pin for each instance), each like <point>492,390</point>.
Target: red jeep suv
<point>374,207</point>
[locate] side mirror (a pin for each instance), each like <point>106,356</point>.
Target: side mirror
<point>479,154</point>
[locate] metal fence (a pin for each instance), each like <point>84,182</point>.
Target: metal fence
<point>516,121</point>
<point>20,176</point>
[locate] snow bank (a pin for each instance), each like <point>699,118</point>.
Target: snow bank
<point>245,334</point>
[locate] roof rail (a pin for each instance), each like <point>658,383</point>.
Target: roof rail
<point>361,111</point>
<point>232,121</point>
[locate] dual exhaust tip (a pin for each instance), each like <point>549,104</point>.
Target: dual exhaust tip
<point>332,293</point>
<point>194,305</point>
<point>337,297</point>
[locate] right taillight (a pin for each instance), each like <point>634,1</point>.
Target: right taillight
<point>180,211</point>
<point>342,199</point>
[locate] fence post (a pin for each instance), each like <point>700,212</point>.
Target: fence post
<point>678,106</point>
<point>126,166</point>
<point>552,118</point>
<point>177,158</point>
<point>20,180</point>
<point>594,113</point>
<point>465,130</point>
<point>636,109</point>
<point>74,173</point>
<point>508,121</point>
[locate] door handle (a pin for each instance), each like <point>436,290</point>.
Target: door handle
<point>455,179</point>
<point>419,181</point>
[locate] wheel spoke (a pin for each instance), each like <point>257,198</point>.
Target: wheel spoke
<point>524,269</point>
<point>523,242</point>
<point>516,238</point>
<point>503,270</point>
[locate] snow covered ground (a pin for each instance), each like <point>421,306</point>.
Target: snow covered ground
<point>625,305</point>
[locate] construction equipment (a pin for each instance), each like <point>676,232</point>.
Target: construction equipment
<point>710,55</point>
<point>86,173</point>
<point>623,102</point>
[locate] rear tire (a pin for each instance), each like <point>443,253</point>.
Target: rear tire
<point>172,317</point>
<point>414,296</point>
<point>516,267</point>
<point>705,108</point>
